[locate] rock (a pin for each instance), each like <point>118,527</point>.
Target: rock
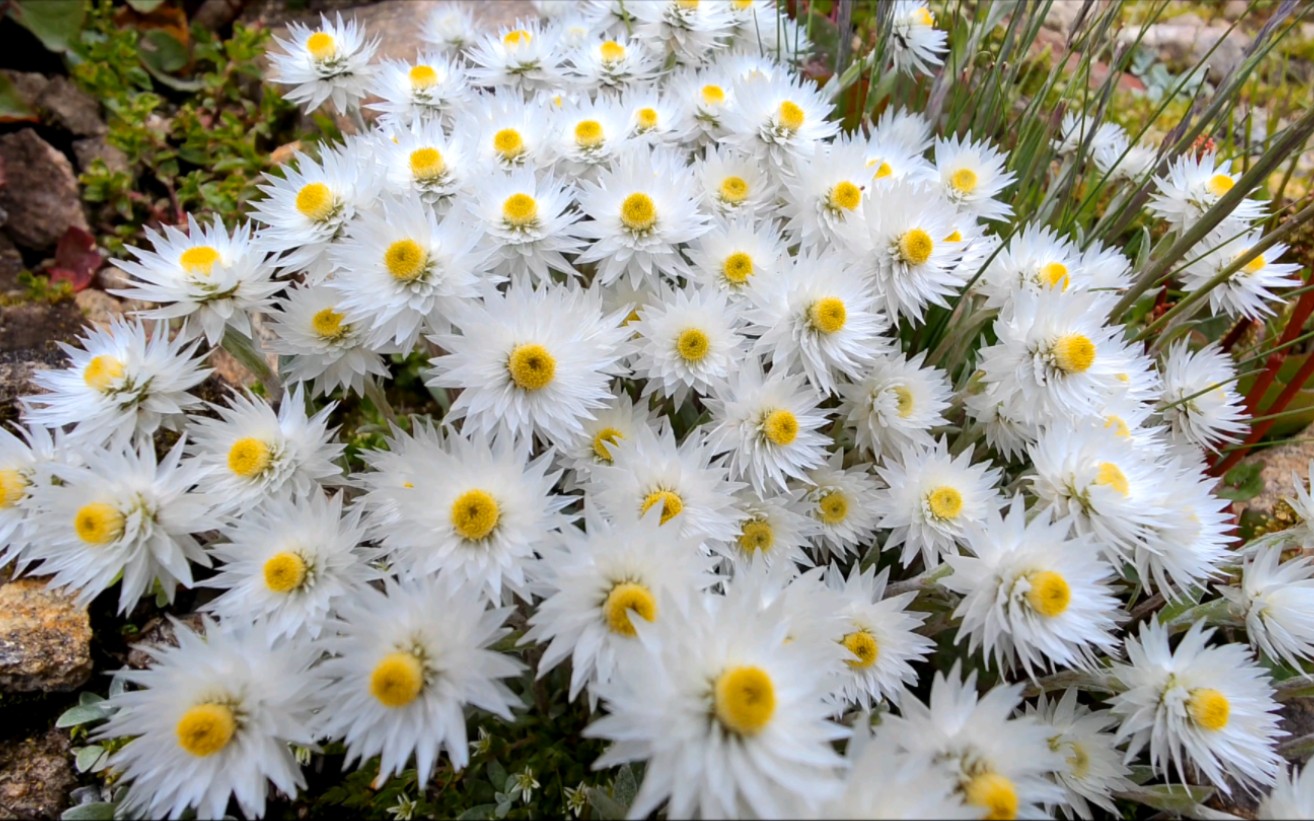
<point>45,639</point>
<point>158,632</point>
<point>66,106</point>
<point>11,265</point>
<point>36,775</point>
<point>28,84</point>
<point>88,150</point>
<point>1279,463</point>
<point>1184,41</point>
<point>1063,14</point>
<point>41,193</point>
<point>1235,9</point>
<point>98,307</point>
<point>27,345</point>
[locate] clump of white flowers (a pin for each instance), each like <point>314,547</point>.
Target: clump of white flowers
<point>747,423</point>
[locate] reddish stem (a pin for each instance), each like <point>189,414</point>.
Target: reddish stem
<point>1258,430</point>
<point>1234,335</point>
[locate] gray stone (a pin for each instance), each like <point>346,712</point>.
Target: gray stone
<point>98,307</point>
<point>90,149</point>
<point>159,632</point>
<point>40,194</point>
<point>1184,41</point>
<point>45,638</point>
<point>66,106</point>
<point>28,84</point>
<point>36,775</point>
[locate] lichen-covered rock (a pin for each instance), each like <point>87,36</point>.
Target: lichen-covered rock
<point>36,775</point>
<point>64,105</point>
<point>45,639</point>
<point>40,195</point>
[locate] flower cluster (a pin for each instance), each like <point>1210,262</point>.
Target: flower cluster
<point>694,446</point>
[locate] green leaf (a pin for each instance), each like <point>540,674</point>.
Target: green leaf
<point>497,774</point>
<point>479,812</point>
<point>145,6</point>
<point>1172,798</point>
<point>95,811</point>
<point>56,23</point>
<point>606,807</point>
<point>1243,482</point>
<point>625,786</point>
<point>82,714</point>
<point>13,106</point>
<point>87,699</point>
<point>88,757</point>
<point>161,51</point>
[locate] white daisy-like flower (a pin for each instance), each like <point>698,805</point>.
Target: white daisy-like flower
<point>900,243</point>
<point>528,223</point>
<point>587,136</point>
<point>252,453</point>
<point>1249,290</point>
<point>1007,430</point>
<point>1035,259</point>
<point>641,210</point>
<point>728,715</point>
<point>212,719</point>
<point>704,97</point>
<point>917,43</point>
<point>1194,184</point>
<point>931,499</point>
<point>779,37</point>
<point>597,582</point>
<point>405,270</point>
<point>620,418</point>
<point>211,278</point>
<point>1000,765</point>
<point>462,505</point>
<point>1200,402</point>
<point>321,346</point>
<point>1210,706</point>
<point>1276,598</point>
<point>331,62</point>
<point>1292,797</point>
<point>122,516</point>
<point>738,255</point>
<point>289,562</point>
<point>732,184</point>
<point>772,528</point>
<point>884,781</point>
<point>690,31</point>
<point>422,160</point>
<point>650,114</point>
<point>897,403</point>
<point>429,88</point>
<point>688,341</point>
<point>405,664</point>
<point>972,175</point>
<point>843,503</point>
<point>26,461</point>
<point>531,360</point>
<point>522,57</point>
<point>903,127</point>
<point>508,132</point>
<point>119,382</point>
<point>691,488</point>
<point>828,188</point>
<point>1092,769</point>
<point>889,159</point>
<point>877,633</point>
<point>819,318</point>
<point>779,120</point>
<point>451,28</point>
<point>612,63</point>
<point>308,209</point>
<point>771,425</point>
<point>1189,544</point>
<point>1302,503</point>
<point>1033,594</point>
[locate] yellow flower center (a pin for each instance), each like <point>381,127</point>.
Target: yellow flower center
<point>508,143</point>
<point>1119,426</point>
<point>670,501</point>
<point>427,164</point>
<point>98,523</point>
<point>862,644</point>
<point>475,514</point>
<point>588,134</point>
<point>1209,709</point>
<point>882,171</point>
<point>647,118</point>
<point>1078,760</point>
<point>1255,265</point>
<point>327,324</point>
<point>741,5</point>
<point>945,502</point>
<point>406,260</point>
<point>13,487</point>
<point>737,268</point>
<point>692,345</point>
<point>611,51</point>
<point>520,210</point>
<point>321,45</point>
<point>531,367</point>
<point>993,793</point>
<point>755,535</point>
<point>956,236</point>
<point>828,315</point>
<point>423,77</point>
<point>923,17</point>
<point>249,457</point>
<point>1110,475</point>
<point>903,401</point>
<point>844,195</point>
<point>745,699</point>
<point>206,728</point>
<point>687,5</point>
<point>1049,594</point>
<point>602,440</point>
<point>638,213</point>
<point>790,116</point>
<point>1074,353</point>
<point>915,246</point>
<point>780,427</point>
<point>102,372</point>
<point>284,571</point>
<point>963,180</point>
<point>397,680</point>
<point>516,38</point>
<point>1055,274</point>
<point>315,201</point>
<point>199,260</point>
<point>623,598</point>
<point>833,507</point>
<point>713,95</point>
<point>734,190</point>
<point>1220,184</point>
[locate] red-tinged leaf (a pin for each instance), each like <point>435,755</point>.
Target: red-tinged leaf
<point>76,259</point>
